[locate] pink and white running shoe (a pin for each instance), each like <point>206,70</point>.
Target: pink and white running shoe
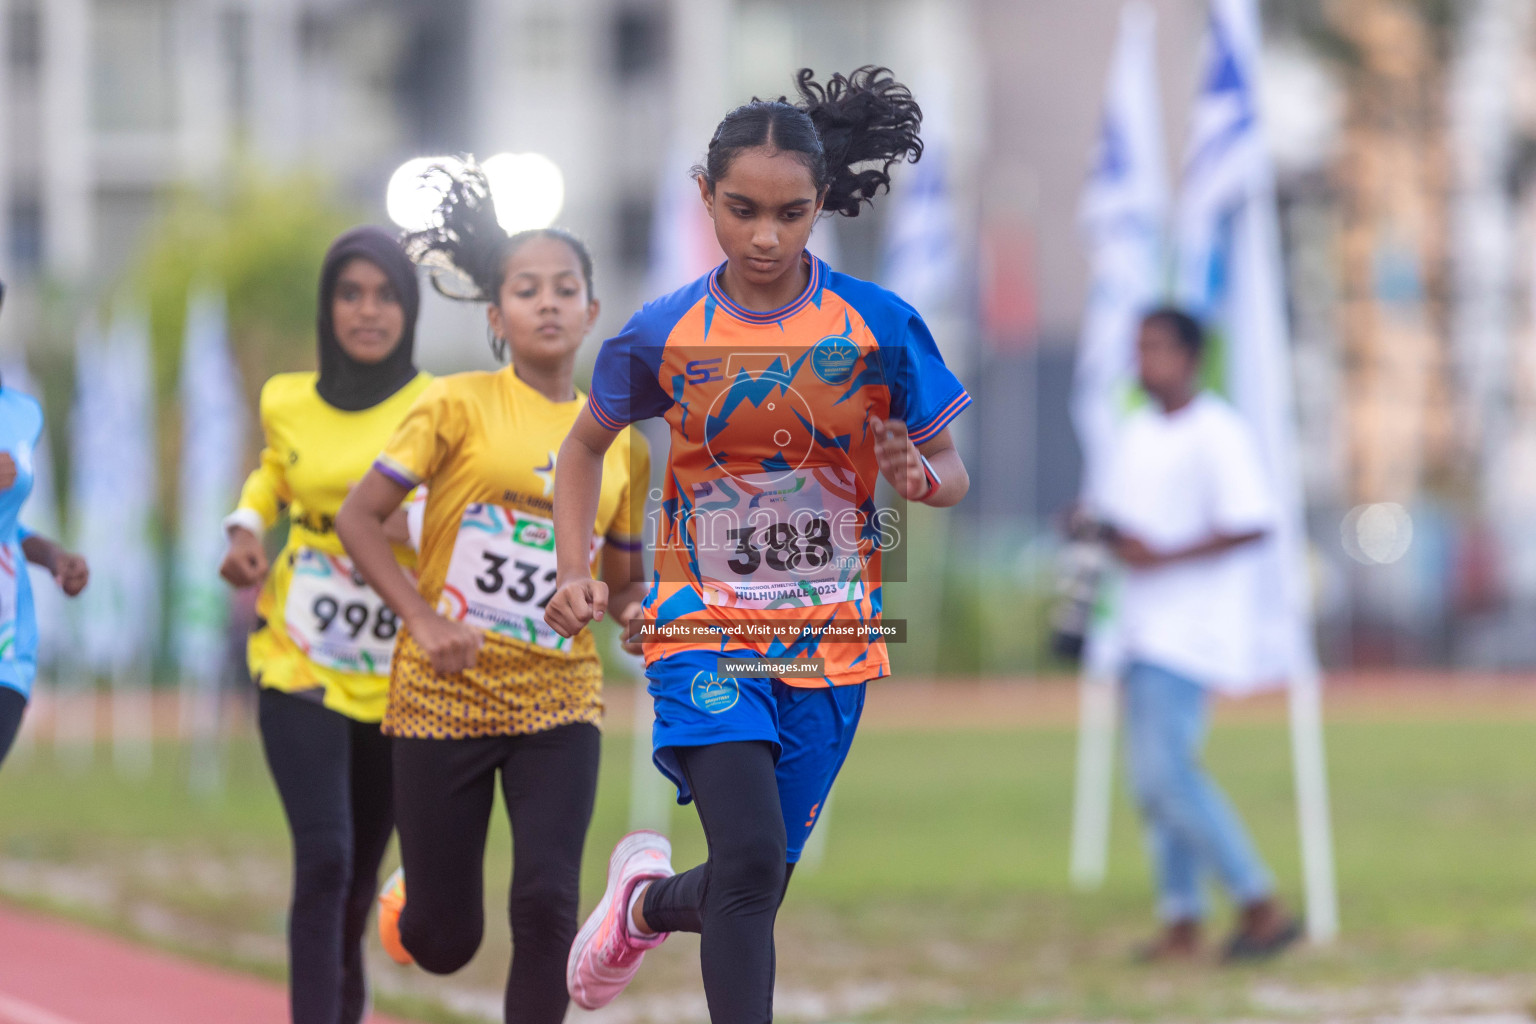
<point>606,954</point>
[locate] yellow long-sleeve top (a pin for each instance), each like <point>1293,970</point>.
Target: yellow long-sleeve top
<point>320,631</point>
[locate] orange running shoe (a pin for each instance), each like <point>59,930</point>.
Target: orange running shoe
<point>391,905</point>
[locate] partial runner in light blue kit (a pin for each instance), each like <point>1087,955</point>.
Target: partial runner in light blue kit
<point>21,426</point>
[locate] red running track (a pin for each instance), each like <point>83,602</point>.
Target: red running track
<point>56,973</point>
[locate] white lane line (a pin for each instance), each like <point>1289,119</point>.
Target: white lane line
<point>14,1011</point>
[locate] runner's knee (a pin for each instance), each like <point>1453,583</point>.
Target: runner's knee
<point>543,907</point>
<point>444,947</point>
<point>747,869</point>
<point>322,866</point>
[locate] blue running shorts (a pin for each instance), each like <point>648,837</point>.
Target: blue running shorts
<point>810,729</point>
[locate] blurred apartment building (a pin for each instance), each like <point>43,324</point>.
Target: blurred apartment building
<point>107,103</point>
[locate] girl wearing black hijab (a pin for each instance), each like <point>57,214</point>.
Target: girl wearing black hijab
<point>321,647</point>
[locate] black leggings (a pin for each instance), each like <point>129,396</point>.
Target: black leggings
<point>731,899</point>
<point>443,794</point>
<point>333,775</point>
<point>12,704</point>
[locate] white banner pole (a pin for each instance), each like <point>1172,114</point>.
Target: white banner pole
<point>649,796</point>
<point>1312,808</point>
<point>1098,703</point>
<point>1123,214</point>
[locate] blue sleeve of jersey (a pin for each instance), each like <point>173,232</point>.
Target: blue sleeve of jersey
<point>924,393</point>
<point>625,384</point>
<point>22,533</point>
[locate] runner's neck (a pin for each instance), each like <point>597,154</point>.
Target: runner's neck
<point>554,382</point>
<point>772,297</point>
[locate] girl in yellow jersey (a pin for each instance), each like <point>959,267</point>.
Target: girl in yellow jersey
<point>479,684</point>
<point>323,638</point>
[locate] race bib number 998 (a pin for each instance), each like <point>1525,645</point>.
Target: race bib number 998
<point>503,573</point>
<point>336,619</point>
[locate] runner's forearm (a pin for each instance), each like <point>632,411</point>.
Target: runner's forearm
<point>577,487</point>
<point>1214,545</point>
<point>360,525</point>
<point>41,551</point>
<point>630,592</point>
<point>944,457</point>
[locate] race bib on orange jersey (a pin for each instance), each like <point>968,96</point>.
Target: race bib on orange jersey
<point>778,540</point>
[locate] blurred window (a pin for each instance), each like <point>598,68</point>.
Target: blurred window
<point>235,38</point>
<point>26,241</point>
<point>317,34</point>
<point>633,231</point>
<point>431,77</point>
<point>545,39</point>
<point>26,40</point>
<point>639,40</point>
<point>134,57</point>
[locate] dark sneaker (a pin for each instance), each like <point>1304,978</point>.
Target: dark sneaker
<point>1178,942</point>
<point>1249,946</point>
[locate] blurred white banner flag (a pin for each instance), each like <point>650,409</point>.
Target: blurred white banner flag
<point>683,246</point>
<point>923,261</point>
<point>213,436</point>
<point>113,501</point>
<point>1230,273</point>
<point>1124,217</point>
<point>91,498</point>
<point>1124,221</point>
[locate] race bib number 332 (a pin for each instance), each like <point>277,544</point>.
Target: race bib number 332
<point>503,573</point>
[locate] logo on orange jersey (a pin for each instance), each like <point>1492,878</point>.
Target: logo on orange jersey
<point>833,359</point>
<point>702,371</point>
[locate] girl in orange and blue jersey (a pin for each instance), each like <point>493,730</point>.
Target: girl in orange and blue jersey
<point>790,389</point>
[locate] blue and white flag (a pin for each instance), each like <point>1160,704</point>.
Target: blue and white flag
<point>1124,219</point>
<point>212,432</point>
<point>1230,273</point>
<point>924,261</point>
<point>682,244</point>
<point>90,441</point>
<point>113,497</point>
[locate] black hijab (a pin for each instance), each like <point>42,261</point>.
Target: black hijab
<point>344,382</point>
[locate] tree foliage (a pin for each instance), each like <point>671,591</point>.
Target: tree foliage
<point>261,239</point>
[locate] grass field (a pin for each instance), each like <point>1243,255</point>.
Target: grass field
<point>943,895</point>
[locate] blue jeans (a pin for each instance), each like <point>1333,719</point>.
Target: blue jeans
<point>1191,828</point>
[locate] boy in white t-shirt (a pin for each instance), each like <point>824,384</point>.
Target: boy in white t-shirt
<point>1187,503</point>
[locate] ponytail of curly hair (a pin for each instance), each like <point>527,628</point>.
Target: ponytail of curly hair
<point>466,238</point>
<point>849,132</point>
